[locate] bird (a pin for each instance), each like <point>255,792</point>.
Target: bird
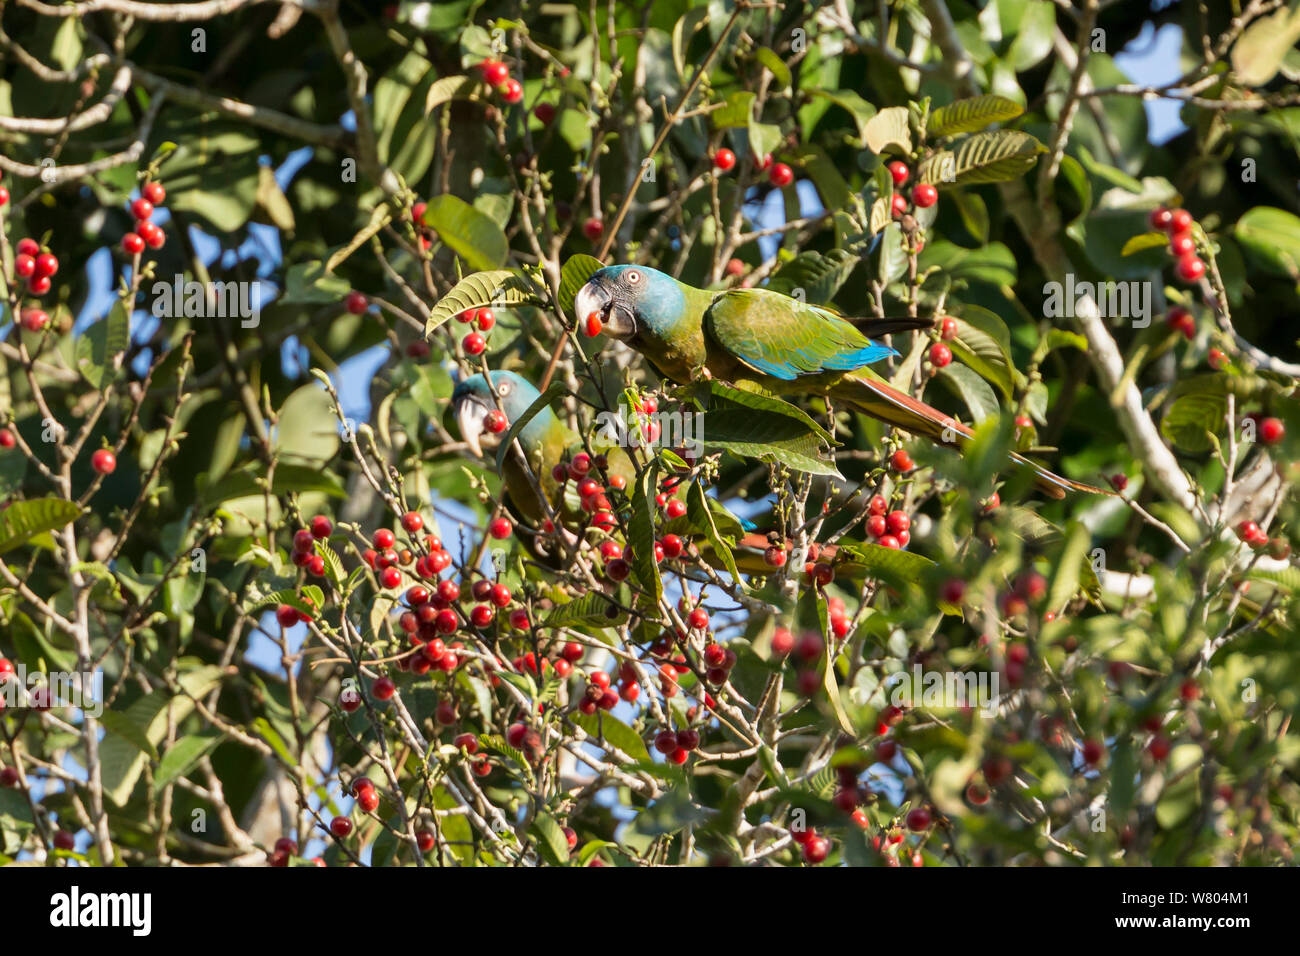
<point>768,339</point>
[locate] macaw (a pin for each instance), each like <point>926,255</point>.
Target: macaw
<point>547,441</point>
<point>761,336</point>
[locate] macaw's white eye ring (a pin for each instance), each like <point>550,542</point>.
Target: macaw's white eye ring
<point>503,388</point>
<point>633,277</point>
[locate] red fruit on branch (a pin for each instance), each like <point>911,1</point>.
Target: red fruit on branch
<point>899,172</point>
<point>103,461</point>
<point>356,302</point>
<point>142,209</point>
<point>132,244</point>
<point>724,160</point>
<point>154,192</point>
<point>780,175</point>
<point>925,196</point>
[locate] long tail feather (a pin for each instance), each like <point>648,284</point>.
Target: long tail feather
<point>893,407</point>
<point>874,327</point>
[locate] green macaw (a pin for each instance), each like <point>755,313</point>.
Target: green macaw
<point>547,441</point>
<point>761,336</point>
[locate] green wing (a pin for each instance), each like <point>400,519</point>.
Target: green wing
<point>785,338</point>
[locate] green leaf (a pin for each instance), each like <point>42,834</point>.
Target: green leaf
<point>288,477</point>
<point>971,389</point>
<point>311,283</point>
<point>970,115</point>
<point>603,726</point>
<point>24,520</point>
<point>819,274</point>
<point>306,427</point>
<point>573,276</point>
<point>641,534</point>
<point>868,559</point>
<point>1069,563</point>
<point>754,425</point>
<point>774,63</point>
<point>497,287</point>
<point>700,516</point>
<point>446,89</point>
<point>181,757</point>
<point>1194,419</point>
<point>551,839</point>
<point>1259,51</point>
<point>474,236</point>
<point>995,157</point>
<point>889,128</point>
<point>380,216</point>
<point>1272,237</point>
<point>593,609</point>
<point>1143,242</point>
<point>737,114</point>
<point>983,343</point>
<point>100,344</point>
<point>120,723</point>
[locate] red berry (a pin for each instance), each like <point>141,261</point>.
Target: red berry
<point>1160,218</point>
<point>724,160</point>
<point>321,527</point>
<point>132,244</point>
<point>899,172</point>
<point>485,318</point>
<point>780,175</point>
<point>1092,752</point>
<point>593,325</point>
<point>1159,747</point>
<point>286,615</point>
<point>46,264</point>
<point>918,819</point>
<point>468,316</point>
<point>341,827</point>
<point>698,619</point>
<point>1190,268</point>
<point>925,196</point>
<point>383,539</point>
<point>356,302</point>
<point>24,266</point>
<point>890,541</point>
<point>103,461</point>
<point>1248,531</point>
<point>898,522</point>
<point>63,840</point>
<point>774,556</point>
<point>494,72</point>
<point>545,113</point>
<point>1119,482</point>
<point>383,688</point>
<point>154,192</point>
<point>368,800</point>
<point>1181,245</point>
<point>473,344</point>
<point>7,439</point>
<point>1216,359</point>
<point>593,228</point>
<point>948,329</point>
<point>1180,220</point>
<point>940,355</point>
<point>675,508</point>
<point>38,285</point>
<point>389,578</point>
<point>35,319</point>
<point>898,205</point>
<point>142,209</point>
<point>816,849</point>
<point>901,461</point>
<point>512,91</point>
<point>500,528</point>
<point>412,522</point>
<point>1271,431</point>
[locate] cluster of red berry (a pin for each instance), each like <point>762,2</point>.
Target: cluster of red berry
<point>1029,588</point>
<point>147,232</point>
<point>36,266</point>
<point>1177,223</point>
<point>941,352</point>
<point>497,75</point>
<point>889,529</point>
<point>484,319</point>
<point>779,175</point>
<point>924,195</point>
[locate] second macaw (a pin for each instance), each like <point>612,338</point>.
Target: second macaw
<point>762,336</point>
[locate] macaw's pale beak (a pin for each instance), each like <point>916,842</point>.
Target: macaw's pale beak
<point>615,318</point>
<point>471,416</point>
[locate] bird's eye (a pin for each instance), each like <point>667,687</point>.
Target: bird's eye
<point>503,388</point>
<point>633,277</point>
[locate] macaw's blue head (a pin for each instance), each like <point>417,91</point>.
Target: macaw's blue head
<point>474,401</point>
<point>630,300</point>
